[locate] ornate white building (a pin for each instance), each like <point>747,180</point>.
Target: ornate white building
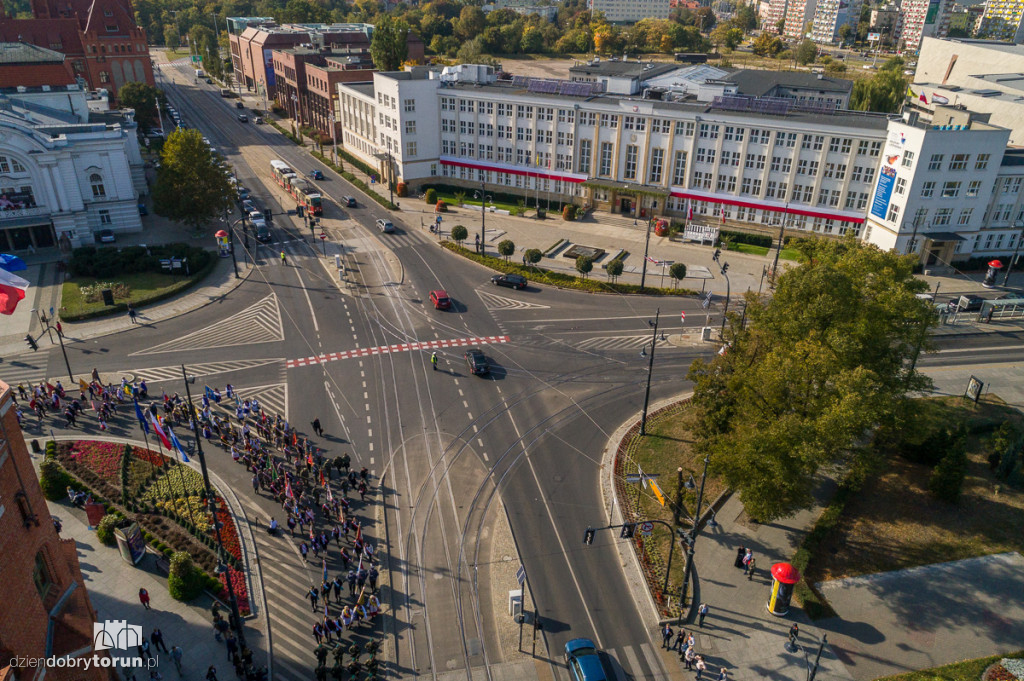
<point>65,172</point>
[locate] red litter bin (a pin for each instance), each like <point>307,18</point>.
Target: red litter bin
<point>784,576</point>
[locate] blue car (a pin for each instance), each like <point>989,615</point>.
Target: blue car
<point>583,660</point>
<point>316,174</point>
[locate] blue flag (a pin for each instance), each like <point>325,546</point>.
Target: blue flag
<point>209,392</point>
<point>142,419</point>
<point>177,445</point>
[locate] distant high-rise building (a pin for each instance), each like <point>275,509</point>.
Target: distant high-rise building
<point>1003,20</point>
<point>830,15</point>
<point>799,14</point>
<point>630,11</point>
<point>772,12</point>
<point>915,13</point>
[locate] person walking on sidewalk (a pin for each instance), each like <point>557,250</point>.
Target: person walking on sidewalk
<point>232,646</point>
<point>740,552</point>
<point>144,649</point>
<point>132,314</point>
<point>689,658</point>
<point>700,666</point>
<point>144,598</point>
<point>750,569</point>
<point>666,636</point>
<point>157,637</point>
<point>680,637</point>
<point>313,595</point>
<point>317,428</point>
<point>723,674</point>
<point>211,673</point>
<point>176,655</point>
<point>702,612</point>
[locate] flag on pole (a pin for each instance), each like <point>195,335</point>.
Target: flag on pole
<point>12,291</point>
<point>142,419</point>
<point>177,445</point>
<point>651,260</point>
<point>322,482</point>
<point>159,431</point>
<point>325,579</point>
<point>83,385</point>
<point>939,99</point>
<point>288,489</point>
<point>209,392</point>
<point>923,98</point>
<point>911,93</point>
<point>689,209</point>
<point>330,497</point>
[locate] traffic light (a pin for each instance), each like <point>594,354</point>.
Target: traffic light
<point>588,537</point>
<point>725,267</point>
<point>268,215</point>
<point>31,342</point>
<point>717,253</point>
<point>300,210</point>
<point>627,530</point>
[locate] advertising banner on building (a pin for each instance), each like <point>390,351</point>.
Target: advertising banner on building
<point>887,176</point>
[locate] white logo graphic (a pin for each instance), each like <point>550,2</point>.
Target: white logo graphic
<point>116,634</point>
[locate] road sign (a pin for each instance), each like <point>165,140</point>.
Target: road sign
<point>646,528</point>
<point>323,235</point>
<point>197,58</point>
<point>521,575</point>
<point>682,316</point>
<point>657,493</point>
<point>633,478</point>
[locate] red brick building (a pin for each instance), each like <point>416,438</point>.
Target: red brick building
<point>46,611</point>
<point>307,82</point>
<point>100,38</point>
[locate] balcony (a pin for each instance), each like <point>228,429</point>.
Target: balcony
<point>21,214</point>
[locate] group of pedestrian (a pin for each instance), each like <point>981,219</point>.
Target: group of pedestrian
<point>745,559</point>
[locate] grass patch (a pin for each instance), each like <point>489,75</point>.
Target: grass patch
<point>667,446</point>
<point>539,275</point>
<point>470,201</point>
<point>787,253</point>
<point>967,670</point>
<point>355,181</point>
<point>144,288</point>
<point>895,523</point>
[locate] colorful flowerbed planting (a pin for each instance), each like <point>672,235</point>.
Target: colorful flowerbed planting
<point>102,458</point>
<point>241,593</point>
<point>192,509</point>
<point>228,532</point>
<point>154,458</point>
<point>179,480</point>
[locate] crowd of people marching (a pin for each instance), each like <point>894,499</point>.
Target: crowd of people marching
<point>285,465</point>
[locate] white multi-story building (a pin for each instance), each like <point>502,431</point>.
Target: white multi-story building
<point>799,16</point>
<point>830,15</point>
<point>915,13</point>
<point>947,189</point>
<point>630,11</point>
<point>65,172</point>
<point>758,163</point>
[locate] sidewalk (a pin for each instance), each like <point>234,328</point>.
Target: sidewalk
<point>113,587</point>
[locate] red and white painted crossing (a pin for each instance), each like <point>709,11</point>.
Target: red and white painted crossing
<point>389,349</point>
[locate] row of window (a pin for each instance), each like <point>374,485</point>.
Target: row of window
<point>409,105</point>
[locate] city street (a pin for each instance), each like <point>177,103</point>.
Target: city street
<point>456,459</point>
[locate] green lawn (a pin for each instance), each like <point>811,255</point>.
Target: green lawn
<point>143,288</point>
<point>470,201</point>
<point>173,55</point>
<point>968,670</point>
<point>787,253</point>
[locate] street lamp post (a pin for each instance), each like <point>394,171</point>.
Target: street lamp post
<point>692,540</point>
<point>232,601</point>
<point>650,370</point>
<point>391,179</point>
<point>728,288</point>
<point>647,243</point>
<point>1016,248</point>
<point>48,327</point>
<point>782,235</point>
<point>912,244</point>
<point>483,215</point>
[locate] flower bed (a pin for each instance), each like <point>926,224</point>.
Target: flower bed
<point>179,480</point>
<point>156,459</point>
<point>228,532</point>
<point>241,593</point>
<point>102,458</point>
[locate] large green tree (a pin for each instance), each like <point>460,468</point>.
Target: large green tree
<point>191,185</point>
<point>885,92</point>
<point>389,46</point>
<point>142,98</point>
<point>806,52</point>
<point>818,366</point>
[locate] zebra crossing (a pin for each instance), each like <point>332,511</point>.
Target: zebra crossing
<point>27,370</point>
<point>258,323</point>
<point>618,342</point>
<point>625,663</point>
<point>173,373</point>
<point>494,302</point>
<point>273,398</point>
<point>397,347</point>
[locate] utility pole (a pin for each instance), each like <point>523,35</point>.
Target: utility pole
<point>650,370</point>
<point>60,337</point>
<point>483,216</point>
<point>821,647</point>
<point>692,541</point>
<point>782,235</point>
<point>391,178</point>
<point>647,243</point>
<point>232,601</point>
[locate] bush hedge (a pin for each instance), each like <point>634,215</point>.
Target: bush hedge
<point>746,238</point>
<point>185,581</point>
<point>105,530</point>
<point>496,196</point>
<point>430,196</point>
<point>54,480</point>
<point>107,263</point>
<point>559,279</point>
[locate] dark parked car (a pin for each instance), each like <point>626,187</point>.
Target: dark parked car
<point>105,236</point>
<point>511,280</point>
<point>243,118</point>
<point>970,302</point>
<point>348,201</point>
<point>316,174</point>
<point>477,362</point>
<point>239,105</point>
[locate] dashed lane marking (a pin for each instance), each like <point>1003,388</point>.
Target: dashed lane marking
<point>398,347</point>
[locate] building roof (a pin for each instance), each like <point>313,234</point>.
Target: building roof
<point>842,117</point>
<point>23,53</point>
<point>364,88</point>
<point>759,83</point>
<point>623,69</point>
<point>1013,157</point>
<point>996,45</point>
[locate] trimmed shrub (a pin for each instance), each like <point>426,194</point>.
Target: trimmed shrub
<point>105,530</point>
<point>678,272</point>
<point>402,189</point>
<point>569,212</point>
<point>431,196</point>
<point>947,479</point>
<point>614,268</point>
<point>441,207</point>
<point>584,265</point>
<point>533,255</point>
<point>506,247</point>
<point>185,581</point>
<point>54,480</point>
<point>459,233</point>
<point>745,238</point>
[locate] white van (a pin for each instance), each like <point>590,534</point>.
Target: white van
<point>199,73</point>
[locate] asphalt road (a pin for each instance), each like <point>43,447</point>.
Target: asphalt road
<point>447,445</point>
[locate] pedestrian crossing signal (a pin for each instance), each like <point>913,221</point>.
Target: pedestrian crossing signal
<point>628,530</point>
<point>588,537</point>
<point>31,342</point>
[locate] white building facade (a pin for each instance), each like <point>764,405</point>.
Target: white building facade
<point>62,177</point>
<point>630,11</point>
<point>750,163</point>
<point>830,15</point>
